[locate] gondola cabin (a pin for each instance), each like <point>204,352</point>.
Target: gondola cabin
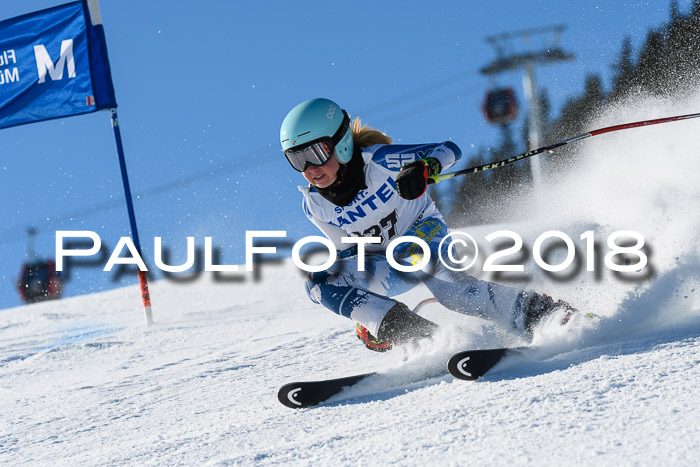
<point>500,106</point>
<point>39,281</point>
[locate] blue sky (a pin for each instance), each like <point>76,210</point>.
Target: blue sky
<point>203,86</point>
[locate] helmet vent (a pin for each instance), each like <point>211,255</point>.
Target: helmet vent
<point>304,133</point>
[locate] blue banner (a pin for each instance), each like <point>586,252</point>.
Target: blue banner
<point>53,64</point>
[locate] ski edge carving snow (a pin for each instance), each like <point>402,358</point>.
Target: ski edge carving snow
<point>467,365</point>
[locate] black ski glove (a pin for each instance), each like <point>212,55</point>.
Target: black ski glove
<point>412,181</point>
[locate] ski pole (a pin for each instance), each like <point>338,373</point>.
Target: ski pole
<point>534,152</point>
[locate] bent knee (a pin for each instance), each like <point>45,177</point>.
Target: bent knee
<point>313,285</point>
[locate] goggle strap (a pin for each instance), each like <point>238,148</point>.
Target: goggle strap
<point>335,139</point>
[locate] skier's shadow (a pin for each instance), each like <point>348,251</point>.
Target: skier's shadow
<point>383,395</point>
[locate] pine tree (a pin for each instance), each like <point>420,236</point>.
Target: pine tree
<point>625,69</point>
<point>648,74</point>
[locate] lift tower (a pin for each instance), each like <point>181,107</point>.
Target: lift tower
<point>523,50</point>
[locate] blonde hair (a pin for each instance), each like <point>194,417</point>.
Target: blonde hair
<point>364,136</point>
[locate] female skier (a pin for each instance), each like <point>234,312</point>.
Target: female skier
<point>362,185</point>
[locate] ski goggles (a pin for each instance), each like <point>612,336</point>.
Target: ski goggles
<point>317,152</point>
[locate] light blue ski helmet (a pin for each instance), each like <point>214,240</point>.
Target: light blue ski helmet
<point>317,120</point>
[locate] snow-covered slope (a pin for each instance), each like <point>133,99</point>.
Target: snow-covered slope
<point>84,382</point>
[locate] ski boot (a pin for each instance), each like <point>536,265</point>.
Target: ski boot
<point>411,327</point>
<point>536,307</point>
<point>401,326</point>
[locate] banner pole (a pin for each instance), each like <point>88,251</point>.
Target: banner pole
<point>143,281</point>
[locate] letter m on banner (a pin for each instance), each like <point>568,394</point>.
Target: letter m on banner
<point>44,63</point>
<point>53,64</point>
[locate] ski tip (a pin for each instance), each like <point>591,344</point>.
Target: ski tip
<point>460,367</point>
<point>300,395</point>
<point>472,364</point>
<point>288,395</point>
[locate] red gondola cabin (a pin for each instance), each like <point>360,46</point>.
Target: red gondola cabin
<point>500,106</point>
